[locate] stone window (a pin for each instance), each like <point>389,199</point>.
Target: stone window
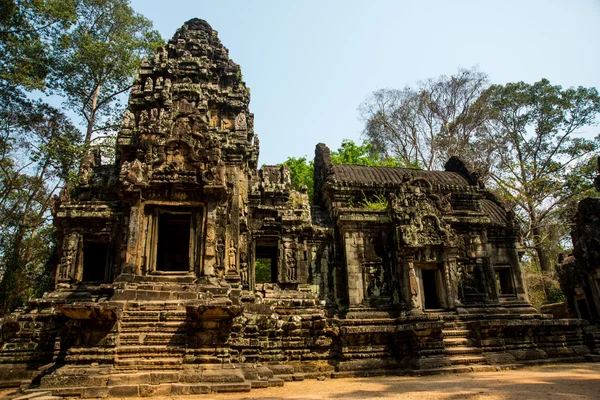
<point>95,260</point>
<point>173,240</point>
<point>504,280</point>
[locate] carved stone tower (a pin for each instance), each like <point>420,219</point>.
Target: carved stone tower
<point>186,153</point>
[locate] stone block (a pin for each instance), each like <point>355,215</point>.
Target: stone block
<point>223,375</point>
<point>163,390</point>
<point>200,389</point>
<point>231,387</point>
<point>275,382</point>
<point>129,379</point>
<point>124,391</point>
<point>282,369</point>
<point>157,378</point>
<point>190,377</point>
<point>91,392</point>
<point>180,389</point>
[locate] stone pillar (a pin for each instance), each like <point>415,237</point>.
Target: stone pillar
<point>451,266</point>
<point>131,261</point>
<point>353,246</point>
<point>519,281</point>
<point>413,285</point>
<point>213,251</point>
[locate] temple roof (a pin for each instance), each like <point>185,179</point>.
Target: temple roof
<point>377,175</point>
<point>496,213</point>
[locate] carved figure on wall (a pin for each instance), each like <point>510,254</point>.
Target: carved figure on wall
<point>290,266</point>
<point>220,253</point>
<point>244,273</point>
<point>231,257</point>
<point>92,159</point>
<point>133,174</point>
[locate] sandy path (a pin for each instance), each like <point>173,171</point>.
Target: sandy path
<point>566,381</point>
<point>570,381</point>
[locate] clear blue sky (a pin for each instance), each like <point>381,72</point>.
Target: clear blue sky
<point>309,64</point>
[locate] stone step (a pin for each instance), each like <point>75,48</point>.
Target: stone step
<point>148,352</point>
<point>154,363</point>
<point>456,332</point>
<point>461,350</point>
<point>150,320</point>
<point>38,395</point>
<point>137,326</point>
<point>152,338</point>
<point>466,360</point>
<point>456,341</point>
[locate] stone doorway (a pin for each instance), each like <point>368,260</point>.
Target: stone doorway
<point>173,252</point>
<point>173,239</point>
<point>504,281</point>
<point>431,286</point>
<point>95,257</point>
<point>266,261</point>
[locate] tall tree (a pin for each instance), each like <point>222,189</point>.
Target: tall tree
<point>85,50</point>
<point>424,125</point>
<point>26,28</point>
<point>541,157</point>
<point>98,59</point>
<point>39,148</point>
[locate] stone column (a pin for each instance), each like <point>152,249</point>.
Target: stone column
<point>131,261</point>
<point>452,291</point>
<point>519,282</point>
<point>413,285</point>
<point>353,247</point>
<point>212,252</point>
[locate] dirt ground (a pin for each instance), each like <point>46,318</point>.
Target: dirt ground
<point>566,381</point>
<point>570,381</point>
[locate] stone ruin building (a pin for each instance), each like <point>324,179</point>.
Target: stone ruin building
<point>157,291</point>
<point>579,273</point>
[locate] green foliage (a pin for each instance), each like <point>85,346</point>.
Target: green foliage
<point>39,148</point>
<point>97,58</point>
<point>87,51</point>
<point>378,202</point>
<point>361,154</point>
<point>26,27</point>
<point>301,174</point>
<point>543,166</point>
<point>302,170</point>
<point>263,270</point>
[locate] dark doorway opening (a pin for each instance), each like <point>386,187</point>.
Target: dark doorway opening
<point>584,311</point>
<point>95,256</point>
<point>504,281</point>
<point>430,291</point>
<point>173,242</point>
<point>265,265</point>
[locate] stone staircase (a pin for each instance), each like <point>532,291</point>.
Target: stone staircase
<point>458,347</point>
<point>152,336</point>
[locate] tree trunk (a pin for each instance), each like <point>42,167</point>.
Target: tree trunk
<point>540,251</point>
<point>92,119</point>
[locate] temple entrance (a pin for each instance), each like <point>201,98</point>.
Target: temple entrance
<point>95,256</point>
<point>265,264</point>
<point>504,281</point>
<point>431,286</point>
<point>174,242</point>
<point>430,292</point>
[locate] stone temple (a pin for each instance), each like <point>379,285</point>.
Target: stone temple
<point>157,290</point>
